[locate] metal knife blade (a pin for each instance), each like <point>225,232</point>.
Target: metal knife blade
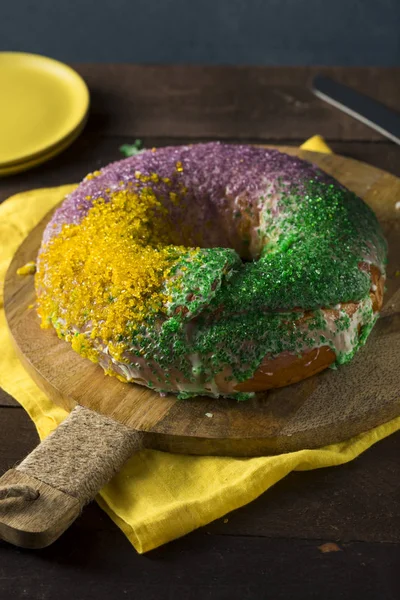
<point>361,107</point>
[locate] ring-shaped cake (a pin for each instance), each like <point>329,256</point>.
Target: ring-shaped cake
<point>212,269</point>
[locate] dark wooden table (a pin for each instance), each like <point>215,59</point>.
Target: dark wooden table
<point>270,548</point>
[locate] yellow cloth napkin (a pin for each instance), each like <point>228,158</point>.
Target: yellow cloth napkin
<point>157,496</point>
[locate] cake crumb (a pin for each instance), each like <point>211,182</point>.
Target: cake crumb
<point>209,415</point>
<point>329,547</point>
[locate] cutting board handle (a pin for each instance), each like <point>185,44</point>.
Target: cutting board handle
<point>41,497</point>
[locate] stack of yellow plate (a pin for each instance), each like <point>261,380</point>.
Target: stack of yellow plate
<point>43,108</point>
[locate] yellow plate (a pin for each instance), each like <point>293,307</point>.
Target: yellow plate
<point>42,102</point>
<point>44,156</point>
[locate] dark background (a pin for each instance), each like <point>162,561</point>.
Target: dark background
<point>259,32</point>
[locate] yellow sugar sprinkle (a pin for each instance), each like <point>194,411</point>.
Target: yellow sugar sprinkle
<point>82,345</point>
<point>91,176</point>
<point>106,275</point>
<point>28,269</point>
<point>120,377</point>
<point>179,166</point>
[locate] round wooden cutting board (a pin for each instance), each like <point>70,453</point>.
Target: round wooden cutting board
<point>324,409</point>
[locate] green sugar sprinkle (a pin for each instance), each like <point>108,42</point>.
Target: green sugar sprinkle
<point>131,149</point>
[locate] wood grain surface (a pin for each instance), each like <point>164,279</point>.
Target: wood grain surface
<point>323,409</point>
<point>35,524</point>
<point>269,548</point>
<point>228,102</point>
